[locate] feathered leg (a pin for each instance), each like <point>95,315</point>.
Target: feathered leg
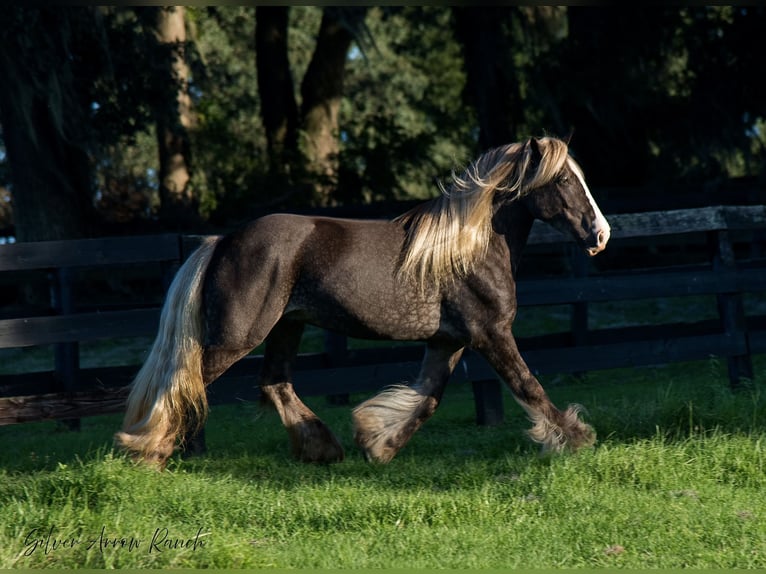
<point>384,423</point>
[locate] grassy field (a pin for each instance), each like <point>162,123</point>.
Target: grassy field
<point>677,479</point>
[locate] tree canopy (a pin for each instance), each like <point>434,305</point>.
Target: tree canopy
<point>271,108</point>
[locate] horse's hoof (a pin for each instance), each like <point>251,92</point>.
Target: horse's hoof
<point>314,442</point>
<point>324,453</point>
<point>155,461</point>
<point>372,459</point>
<point>328,457</point>
<point>375,455</point>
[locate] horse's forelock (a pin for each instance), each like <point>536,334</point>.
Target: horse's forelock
<point>514,169</point>
<point>554,154</point>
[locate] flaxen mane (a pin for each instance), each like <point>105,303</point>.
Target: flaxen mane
<point>448,234</point>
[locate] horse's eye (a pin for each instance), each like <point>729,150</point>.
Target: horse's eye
<point>563,179</point>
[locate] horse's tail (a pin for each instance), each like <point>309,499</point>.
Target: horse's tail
<point>168,396</point>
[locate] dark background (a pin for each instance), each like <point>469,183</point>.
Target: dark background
<point>123,120</point>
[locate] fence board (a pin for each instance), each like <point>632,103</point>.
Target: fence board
<point>616,355</point>
<point>61,405</point>
<point>241,383</point>
<point>87,252</point>
<point>45,382</point>
<point>657,223</point>
<point>649,285</point>
<point>371,369</point>
<point>32,331</point>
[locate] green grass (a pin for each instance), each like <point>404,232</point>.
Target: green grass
<point>676,480</point>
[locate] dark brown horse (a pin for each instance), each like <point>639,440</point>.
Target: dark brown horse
<point>442,273</point>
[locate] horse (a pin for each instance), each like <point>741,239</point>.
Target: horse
<point>442,273</point>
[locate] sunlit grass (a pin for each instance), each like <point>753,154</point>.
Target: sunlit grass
<point>676,480</point>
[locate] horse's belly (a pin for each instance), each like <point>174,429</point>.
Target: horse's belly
<point>346,281</point>
<point>365,317</point>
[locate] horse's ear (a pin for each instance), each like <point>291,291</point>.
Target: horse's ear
<point>536,154</point>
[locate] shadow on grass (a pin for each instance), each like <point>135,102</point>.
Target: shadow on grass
<point>247,441</point>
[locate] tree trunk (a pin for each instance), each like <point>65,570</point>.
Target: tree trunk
<point>489,84</point>
<point>279,110</point>
<point>49,169</point>
<point>321,91</point>
<point>50,172</point>
<point>178,204</point>
<point>51,177</point>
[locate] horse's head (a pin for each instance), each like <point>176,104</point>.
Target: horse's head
<point>565,202</point>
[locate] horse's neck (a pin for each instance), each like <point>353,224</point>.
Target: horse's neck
<point>514,222</point>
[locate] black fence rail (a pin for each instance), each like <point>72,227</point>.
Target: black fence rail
<point>711,251</point>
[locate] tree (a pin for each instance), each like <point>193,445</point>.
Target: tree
<point>502,51</point>
<point>313,154</point>
<point>713,102</point>
<point>403,123</point>
<point>279,110</point>
<point>636,87</point>
<point>321,93</point>
<point>90,94</point>
<point>488,62</point>
<point>75,107</point>
<point>609,98</point>
<point>43,121</point>
<point>178,205</point>
<point>228,144</point>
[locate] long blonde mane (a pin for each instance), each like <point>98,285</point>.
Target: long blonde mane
<point>447,235</point>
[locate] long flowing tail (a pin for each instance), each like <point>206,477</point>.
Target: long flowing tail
<point>168,396</point>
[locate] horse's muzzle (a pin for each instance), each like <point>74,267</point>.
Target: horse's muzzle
<point>600,238</point>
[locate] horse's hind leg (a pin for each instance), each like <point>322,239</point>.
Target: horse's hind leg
<point>311,440</point>
<point>215,361</point>
<point>384,423</point>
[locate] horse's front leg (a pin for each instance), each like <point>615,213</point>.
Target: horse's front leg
<point>555,430</point>
<point>384,423</point>
<point>311,440</point>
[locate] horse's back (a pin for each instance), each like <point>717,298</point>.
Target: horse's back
<point>349,282</point>
<point>310,244</point>
<point>336,273</point>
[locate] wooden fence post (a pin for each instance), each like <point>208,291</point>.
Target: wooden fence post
<point>336,349</point>
<point>488,399</point>
<point>579,317</point>
<point>66,356</point>
<point>731,309</point>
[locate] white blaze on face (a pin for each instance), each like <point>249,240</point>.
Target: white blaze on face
<point>599,227</point>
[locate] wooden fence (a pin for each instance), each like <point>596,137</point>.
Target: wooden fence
<point>710,251</point>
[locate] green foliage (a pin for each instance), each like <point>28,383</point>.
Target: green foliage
<point>675,481</point>
<point>229,144</point>
<point>665,93</point>
<point>403,122</point>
